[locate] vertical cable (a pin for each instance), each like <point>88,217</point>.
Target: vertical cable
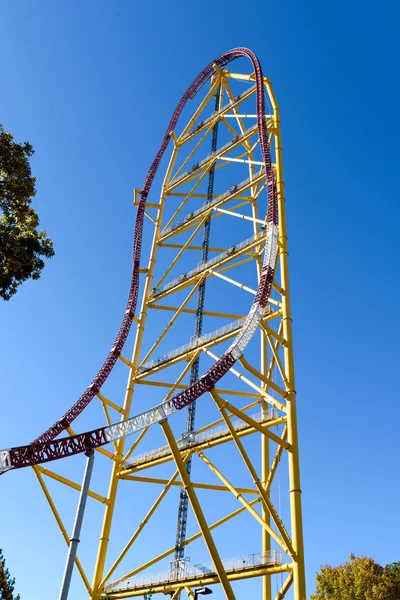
<point>198,330</point>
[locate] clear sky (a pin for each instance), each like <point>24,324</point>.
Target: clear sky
<point>91,85</point>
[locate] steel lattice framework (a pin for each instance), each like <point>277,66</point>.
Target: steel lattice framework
<point>218,220</point>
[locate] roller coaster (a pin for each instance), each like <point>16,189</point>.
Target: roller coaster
<point>216,239</point>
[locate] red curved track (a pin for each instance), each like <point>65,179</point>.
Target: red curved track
<point>44,444</point>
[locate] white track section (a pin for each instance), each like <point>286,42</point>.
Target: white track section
<point>198,437</point>
<point>5,464</point>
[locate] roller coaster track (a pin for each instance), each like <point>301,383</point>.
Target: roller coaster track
<point>46,447</point>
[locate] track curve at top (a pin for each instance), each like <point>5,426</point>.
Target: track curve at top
<point>45,447</point>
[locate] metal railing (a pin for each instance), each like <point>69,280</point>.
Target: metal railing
<point>202,436</point>
<point>192,345</point>
<point>236,140</point>
<point>187,571</point>
<point>246,94</point>
<point>207,205</point>
<point>202,266</point>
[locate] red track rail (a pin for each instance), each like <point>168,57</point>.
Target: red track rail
<point>45,447</point>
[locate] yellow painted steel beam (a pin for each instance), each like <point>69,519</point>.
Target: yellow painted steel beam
<point>106,413</point>
<point>195,504</point>
<point>192,311</point>
<point>61,525</point>
<point>263,374</point>
<point>278,362</point>
<point>167,384</point>
<point>240,76</point>
<point>299,579</point>
<point>182,194</point>
<point>181,251</point>
<point>285,587</point>
<point>187,354</point>
<point>272,333</point>
<point>251,422</point>
<point>225,200</point>
<point>69,483</point>
<point>273,401</point>
<point>182,205</point>
<point>198,248</point>
<point>173,388</point>
<point>266,584</point>
<point>187,159</point>
<point>278,288</point>
<point>170,323</point>
<point>242,286</point>
<point>114,480</point>
<point>124,360</point>
<point>272,363</point>
<point>189,540</point>
<point>214,215</point>
<point>107,401</point>
<point>244,261</point>
<point>150,218</point>
<point>222,521</point>
<point>245,137</point>
<point>200,108</point>
<point>265,498</point>
<point>218,421</point>
<point>208,272</point>
<point>135,444</point>
<point>198,485</point>
<point>235,109</point>
<point>233,213</point>
<point>275,462</point>
<point>206,444</point>
<point>283,393</point>
<point>245,503</point>
<point>144,522</point>
<point>189,592</point>
<point>136,194</point>
<point>181,376</point>
<point>203,580</point>
<point>228,126</point>
<point>217,117</point>
<point>109,421</point>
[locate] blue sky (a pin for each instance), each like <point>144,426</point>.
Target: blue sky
<point>92,86</point>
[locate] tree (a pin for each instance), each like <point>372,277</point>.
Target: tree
<point>22,245</point>
<point>359,579</point>
<point>6,583</point>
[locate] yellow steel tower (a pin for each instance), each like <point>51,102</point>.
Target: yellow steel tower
<point>244,448</point>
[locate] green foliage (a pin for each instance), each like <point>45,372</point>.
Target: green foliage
<point>6,583</point>
<point>359,579</point>
<point>22,245</point>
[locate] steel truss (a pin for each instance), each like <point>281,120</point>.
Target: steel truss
<point>247,389</point>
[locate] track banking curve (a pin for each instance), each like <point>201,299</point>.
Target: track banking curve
<point>45,447</point>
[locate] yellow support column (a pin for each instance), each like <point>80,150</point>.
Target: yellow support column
<point>119,453</point>
<point>195,504</point>
<point>299,580</point>
<point>265,538</point>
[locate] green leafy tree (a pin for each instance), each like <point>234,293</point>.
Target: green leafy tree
<point>359,579</point>
<point>6,583</point>
<point>22,245</point>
